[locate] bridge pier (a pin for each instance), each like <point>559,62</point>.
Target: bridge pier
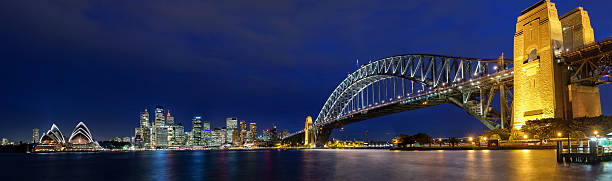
<point>322,136</point>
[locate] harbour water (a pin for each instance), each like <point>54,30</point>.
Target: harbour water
<point>299,165</point>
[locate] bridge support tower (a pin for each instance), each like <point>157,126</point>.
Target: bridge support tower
<point>542,86</point>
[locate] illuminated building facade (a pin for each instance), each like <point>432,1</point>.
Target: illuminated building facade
<point>243,131</point>
<point>252,132</point>
<point>231,125</point>
<point>80,140</point>
<point>206,133</point>
<point>35,135</point>
<point>196,131</point>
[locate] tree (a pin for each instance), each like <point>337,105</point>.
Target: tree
<point>422,139</point>
<point>453,141</point>
<point>503,134</point>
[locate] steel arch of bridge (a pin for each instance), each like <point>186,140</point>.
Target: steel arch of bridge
<point>431,71</point>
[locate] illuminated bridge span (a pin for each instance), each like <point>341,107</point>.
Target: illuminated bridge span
<point>555,73</point>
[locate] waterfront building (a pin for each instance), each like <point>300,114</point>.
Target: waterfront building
<point>142,133</point>
<point>196,131</point>
<point>159,121</point>
<point>206,133</point>
<point>266,136</point>
<point>35,135</point>
<point>218,136</point>
<point>243,132</point>
<point>126,139</point>
<point>169,119</point>
<point>252,132</point>
<point>116,139</point>
<point>81,139</point>
<point>178,134</point>
<point>162,136</point>
<point>231,125</point>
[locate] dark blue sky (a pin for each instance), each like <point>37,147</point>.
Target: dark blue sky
<point>272,62</point>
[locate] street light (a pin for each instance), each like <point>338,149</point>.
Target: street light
<point>525,137</point>
<point>485,138</point>
<point>559,134</point>
<point>470,138</point>
<point>595,132</point>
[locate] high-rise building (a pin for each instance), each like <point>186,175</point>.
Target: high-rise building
<point>218,136</point>
<point>252,132</point>
<point>144,119</point>
<point>196,131</point>
<point>169,119</point>
<point>231,125</point>
<point>243,131</point>
<point>171,135</point>
<point>159,122</point>
<point>35,135</point>
<point>142,134</point>
<point>179,134</point>
<point>159,116</point>
<point>206,133</point>
<point>162,136</point>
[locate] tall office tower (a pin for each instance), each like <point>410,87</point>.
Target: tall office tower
<point>171,135</point>
<point>179,134</point>
<point>206,134</point>
<point>144,133</point>
<point>35,135</point>
<point>169,119</point>
<point>252,132</point>
<point>162,137</point>
<point>217,137</point>
<point>138,139</point>
<point>243,131</point>
<point>232,125</point>
<point>144,119</point>
<point>159,116</point>
<point>159,121</point>
<point>196,131</point>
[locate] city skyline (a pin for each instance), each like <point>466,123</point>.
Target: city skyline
<point>53,76</point>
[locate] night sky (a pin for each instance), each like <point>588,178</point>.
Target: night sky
<point>272,62</point>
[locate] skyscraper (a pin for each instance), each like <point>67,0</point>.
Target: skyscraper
<point>179,134</point>
<point>196,131</point>
<point>159,122</point>
<point>142,134</point>
<point>252,132</point>
<point>159,116</point>
<point>35,135</point>
<point>231,125</point>
<point>243,132</point>
<point>161,136</point>
<point>206,133</point>
<point>169,119</point>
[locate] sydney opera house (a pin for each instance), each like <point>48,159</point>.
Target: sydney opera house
<point>80,140</point>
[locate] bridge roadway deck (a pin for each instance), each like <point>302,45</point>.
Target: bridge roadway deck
<point>434,97</point>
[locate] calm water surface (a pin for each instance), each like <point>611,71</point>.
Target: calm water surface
<point>376,165</point>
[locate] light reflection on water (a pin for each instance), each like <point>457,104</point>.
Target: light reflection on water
<point>300,165</point>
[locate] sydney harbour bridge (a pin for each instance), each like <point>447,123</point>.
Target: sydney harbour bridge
<point>555,73</point>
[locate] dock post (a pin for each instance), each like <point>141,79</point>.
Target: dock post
<point>559,151</point>
<point>592,151</point>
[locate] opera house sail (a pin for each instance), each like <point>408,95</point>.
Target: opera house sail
<point>80,140</point>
